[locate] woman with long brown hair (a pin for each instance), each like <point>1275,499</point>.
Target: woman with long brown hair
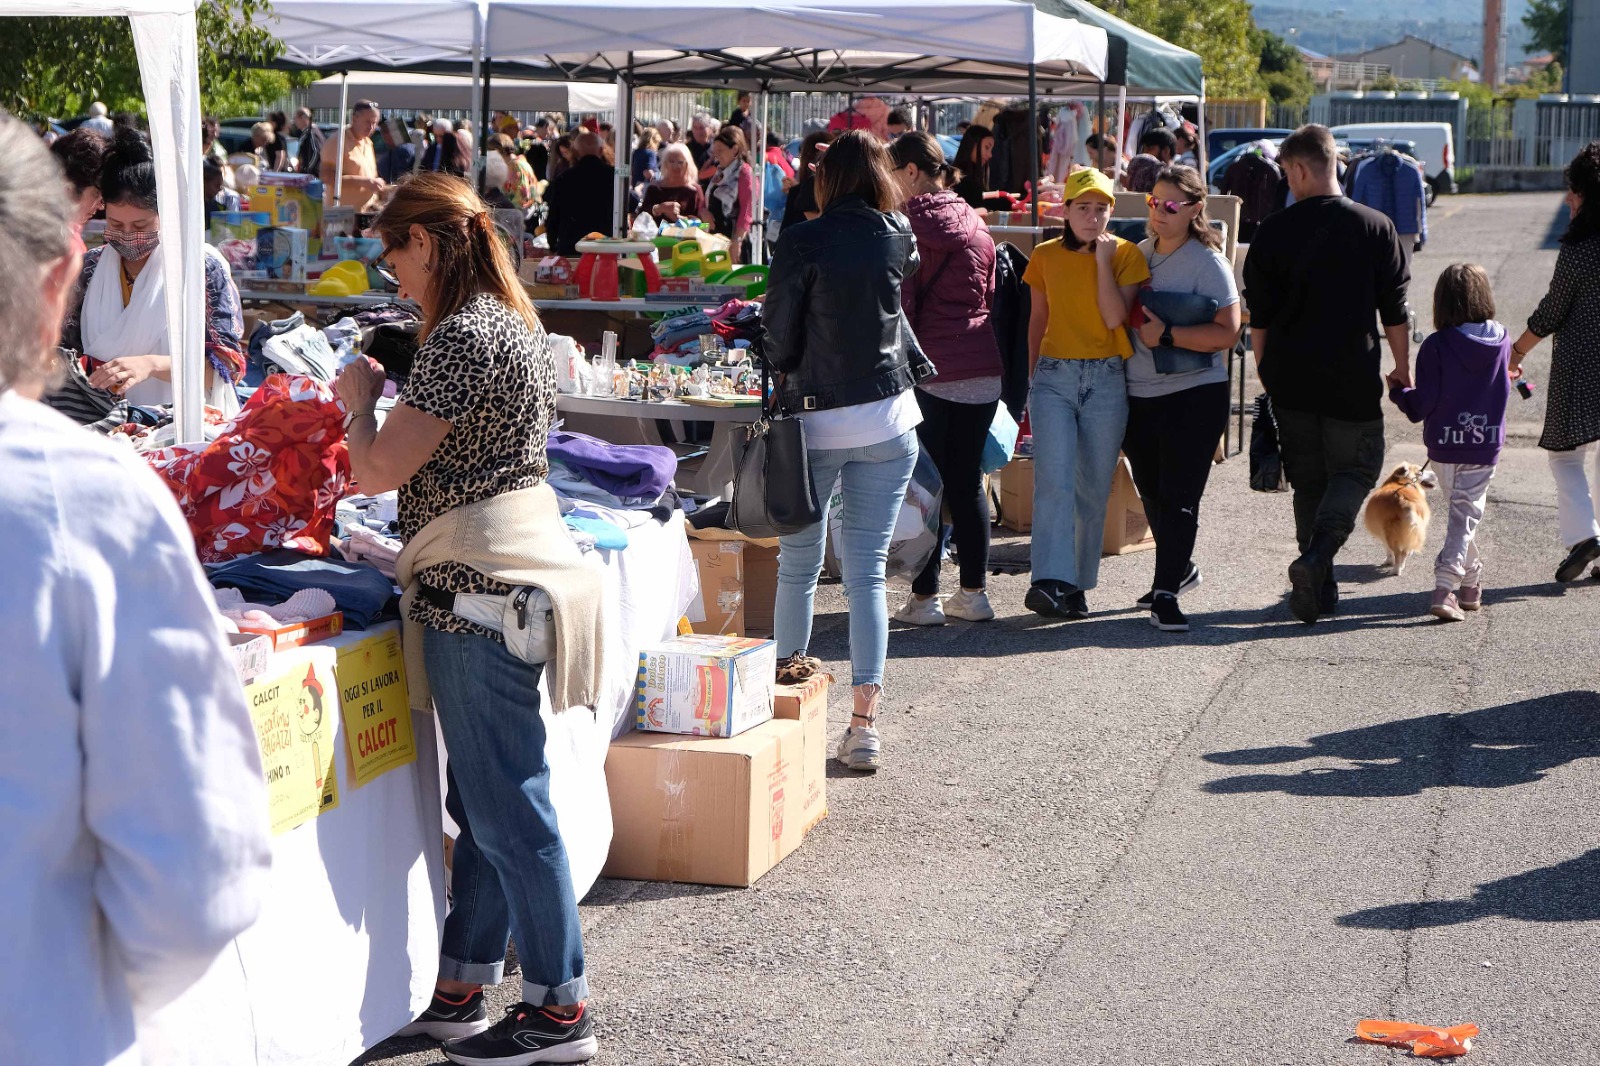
<point>731,196</point>
<point>465,445</point>
<point>835,331</point>
<point>1178,381</point>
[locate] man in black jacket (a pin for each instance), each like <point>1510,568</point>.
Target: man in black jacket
<point>311,140</point>
<point>1320,274</point>
<point>580,200</point>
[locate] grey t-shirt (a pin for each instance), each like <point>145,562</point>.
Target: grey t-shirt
<point>1192,268</point>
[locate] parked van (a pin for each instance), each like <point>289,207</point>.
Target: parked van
<point>1435,141</point>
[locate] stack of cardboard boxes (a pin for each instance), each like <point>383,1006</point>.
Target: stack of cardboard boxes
<point>727,772</point>
<point>738,583</point>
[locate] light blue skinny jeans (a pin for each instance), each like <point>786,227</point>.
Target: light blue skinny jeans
<point>874,482</point>
<point>1078,409</point>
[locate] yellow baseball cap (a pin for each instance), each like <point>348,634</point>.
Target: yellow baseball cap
<point>1088,181</point>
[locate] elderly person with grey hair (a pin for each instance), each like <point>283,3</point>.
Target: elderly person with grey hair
<point>142,847</point>
<point>676,194</point>
<point>702,130</point>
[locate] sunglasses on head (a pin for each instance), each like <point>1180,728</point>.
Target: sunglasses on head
<point>1171,207</point>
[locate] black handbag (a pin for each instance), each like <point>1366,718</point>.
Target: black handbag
<point>773,495</point>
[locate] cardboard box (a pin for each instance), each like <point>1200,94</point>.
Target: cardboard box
<point>760,587</point>
<point>1016,495</point>
<point>720,606</point>
<point>1127,530</point>
<point>297,633</point>
<point>705,812</point>
<point>294,201</point>
<point>252,654</point>
<point>280,255</point>
<point>808,705</point>
<point>705,686</point>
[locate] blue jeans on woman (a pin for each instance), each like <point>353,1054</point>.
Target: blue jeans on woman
<point>509,876</point>
<point>1078,409</point>
<point>874,480</point>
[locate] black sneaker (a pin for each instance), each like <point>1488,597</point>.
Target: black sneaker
<point>1328,599</point>
<point>1191,580</point>
<point>1165,615</point>
<point>1049,598</point>
<point>1077,605</point>
<point>448,1019</point>
<point>1582,554</point>
<point>1306,579</point>
<point>527,1035</point>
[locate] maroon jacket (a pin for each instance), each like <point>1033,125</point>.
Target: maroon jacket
<point>947,301</point>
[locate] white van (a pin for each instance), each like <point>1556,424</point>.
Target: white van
<point>1435,141</point>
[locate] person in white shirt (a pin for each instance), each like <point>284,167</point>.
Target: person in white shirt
<point>98,120</point>
<point>136,844</point>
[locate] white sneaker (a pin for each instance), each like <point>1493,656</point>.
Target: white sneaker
<point>921,612</point>
<point>860,749</point>
<point>969,606</point>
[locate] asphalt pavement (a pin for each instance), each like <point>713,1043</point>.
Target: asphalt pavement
<point>1097,843</point>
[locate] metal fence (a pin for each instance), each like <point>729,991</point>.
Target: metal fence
<point>1491,139</point>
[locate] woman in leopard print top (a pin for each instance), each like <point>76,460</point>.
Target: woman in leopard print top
<point>471,425</point>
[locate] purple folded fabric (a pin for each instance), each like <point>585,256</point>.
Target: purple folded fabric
<point>624,470</point>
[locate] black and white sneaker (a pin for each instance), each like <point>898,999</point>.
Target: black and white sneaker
<point>1165,615</point>
<point>1582,554</point>
<point>1049,598</point>
<point>1191,580</point>
<point>450,1019</point>
<point>527,1035</point>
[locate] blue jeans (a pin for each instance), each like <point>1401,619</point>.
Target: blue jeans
<point>875,480</point>
<point>1078,409</point>
<point>509,876</point>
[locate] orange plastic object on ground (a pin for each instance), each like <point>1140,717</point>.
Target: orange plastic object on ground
<point>1425,1041</point>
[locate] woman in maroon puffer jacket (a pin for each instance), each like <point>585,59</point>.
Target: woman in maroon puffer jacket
<point>947,303</point>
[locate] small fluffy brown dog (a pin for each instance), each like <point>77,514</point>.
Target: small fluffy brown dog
<point>1397,513</point>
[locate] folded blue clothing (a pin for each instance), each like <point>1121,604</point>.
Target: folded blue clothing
<point>358,590</point>
<point>604,533</point>
<point>625,470</point>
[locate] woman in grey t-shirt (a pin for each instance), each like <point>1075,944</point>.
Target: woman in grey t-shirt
<point>1178,384</point>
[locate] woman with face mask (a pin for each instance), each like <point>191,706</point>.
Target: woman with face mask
<point>119,317</point>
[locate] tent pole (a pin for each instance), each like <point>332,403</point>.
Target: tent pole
<point>622,180</point>
<point>344,121</point>
<point>1033,138</point>
<point>758,160</point>
<point>1122,120</point>
<point>1200,135</point>
<point>1100,121</point>
<point>482,142</point>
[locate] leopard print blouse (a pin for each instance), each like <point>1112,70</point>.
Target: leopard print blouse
<point>483,371</point>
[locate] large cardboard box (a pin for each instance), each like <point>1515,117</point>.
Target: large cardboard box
<point>1016,495</point>
<point>808,705</point>
<point>1127,529</point>
<point>705,685</point>
<point>760,587</point>
<point>720,605</point>
<point>705,811</point>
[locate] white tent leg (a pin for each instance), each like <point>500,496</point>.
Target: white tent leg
<point>1122,119</point>
<point>622,181</point>
<point>758,160</point>
<point>475,167</point>
<point>1200,144</point>
<point>344,121</point>
<point>168,62</point>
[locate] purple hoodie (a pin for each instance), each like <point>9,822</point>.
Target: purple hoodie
<point>1461,392</point>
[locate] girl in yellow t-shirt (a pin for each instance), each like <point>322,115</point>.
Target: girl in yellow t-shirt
<point>1083,285</point>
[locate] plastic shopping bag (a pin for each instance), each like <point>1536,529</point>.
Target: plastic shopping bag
<point>1001,442</point>
<point>916,528</point>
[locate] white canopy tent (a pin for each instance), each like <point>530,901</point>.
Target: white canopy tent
<point>398,89</point>
<point>164,37</point>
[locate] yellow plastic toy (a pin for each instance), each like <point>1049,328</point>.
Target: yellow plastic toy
<point>346,278</point>
<point>715,262</point>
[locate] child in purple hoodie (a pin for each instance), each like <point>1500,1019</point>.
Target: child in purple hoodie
<point>1462,386</point>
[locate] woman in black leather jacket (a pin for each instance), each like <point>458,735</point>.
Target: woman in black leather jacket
<point>847,362</point>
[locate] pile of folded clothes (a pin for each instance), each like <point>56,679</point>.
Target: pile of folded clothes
<point>615,475</point>
<point>270,578</point>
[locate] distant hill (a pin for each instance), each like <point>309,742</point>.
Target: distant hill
<point>1454,24</point>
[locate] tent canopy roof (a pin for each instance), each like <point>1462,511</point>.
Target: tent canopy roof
<point>849,45</point>
<point>409,91</point>
<point>1155,67</point>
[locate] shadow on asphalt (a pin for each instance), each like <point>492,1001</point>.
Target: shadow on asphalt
<point>1564,892</point>
<point>1496,747</point>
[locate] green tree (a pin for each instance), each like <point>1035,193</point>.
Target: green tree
<point>1547,23</point>
<point>1285,78</point>
<point>58,66</point>
<point>1219,31</point>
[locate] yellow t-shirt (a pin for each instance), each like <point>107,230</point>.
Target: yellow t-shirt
<point>1068,278</point>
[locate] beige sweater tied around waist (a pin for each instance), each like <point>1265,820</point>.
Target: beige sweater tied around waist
<point>517,538</point>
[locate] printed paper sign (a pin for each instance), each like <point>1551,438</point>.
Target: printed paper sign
<point>377,707</point>
<point>295,731</point>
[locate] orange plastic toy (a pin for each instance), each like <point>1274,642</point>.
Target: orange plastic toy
<point>1425,1041</point>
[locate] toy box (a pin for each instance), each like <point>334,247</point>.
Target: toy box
<point>706,685</point>
<point>293,201</point>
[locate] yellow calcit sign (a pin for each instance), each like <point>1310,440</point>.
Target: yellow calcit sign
<point>295,730</point>
<point>377,707</point>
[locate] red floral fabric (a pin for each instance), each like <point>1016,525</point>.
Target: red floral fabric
<point>271,479</point>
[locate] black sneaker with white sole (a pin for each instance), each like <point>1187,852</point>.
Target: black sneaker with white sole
<point>451,1019</point>
<point>1191,580</point>
<point>1582,554</point>
<point>1049,598</point>
<point>1165,615</point>
<point>527,1035</point>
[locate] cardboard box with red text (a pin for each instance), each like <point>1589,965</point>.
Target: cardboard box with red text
<point>705,686</point>
<point>808,705</point>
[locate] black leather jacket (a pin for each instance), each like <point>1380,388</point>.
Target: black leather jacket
<point>833,323</point>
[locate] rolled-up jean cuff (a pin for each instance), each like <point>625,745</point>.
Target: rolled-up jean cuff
<point>570,994</point>
<point>472,973</point>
